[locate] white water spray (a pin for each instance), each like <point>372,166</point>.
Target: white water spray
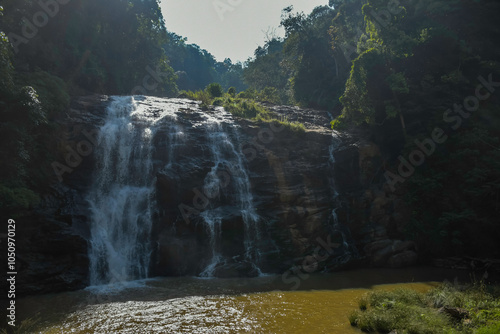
<point>121,198</point>
<point>228,174</point>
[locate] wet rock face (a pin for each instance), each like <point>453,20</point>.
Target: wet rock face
<point>52,239</point>
<point>293,183</point>
<point>51,245</point>
<point>289,177</point>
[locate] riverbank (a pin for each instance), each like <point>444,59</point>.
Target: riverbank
<point>446,309</point>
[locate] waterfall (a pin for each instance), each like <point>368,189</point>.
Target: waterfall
<point>346,249</point>
<point>121,197</point>
<point>228,174</point>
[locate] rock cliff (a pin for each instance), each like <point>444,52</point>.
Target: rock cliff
<point>315,194</point>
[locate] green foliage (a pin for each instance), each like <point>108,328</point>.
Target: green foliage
<point>464,178</point>
<point>77,52</point>
<point>294,127</point>
<point>301,68</point>
<point>215,90</point>
<point>167,86</point>
<point>493,329</point>
<point>201,95</point>
<point>269,94</point>
<point>17,198</point>
<point>31,109</point>
<point>408,311</point>
<point>266,69</point>
<point>409,65</point>
<point>481,305</point>
<point>247,94</point>
<point>110,53</point>
<point>358,107</point>
<point>397,83</point>
<point>51,91</point>
<point>218,101</point>
<point>232,91</point>
<point>244,107</point>
<point>22,133</point>
<point>22,130</point>
<point>196,68</point>
<point>339,123</point>
<point>6,69</point>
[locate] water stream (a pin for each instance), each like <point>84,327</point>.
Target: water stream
<point>228,176</point>
<point>121,197</point>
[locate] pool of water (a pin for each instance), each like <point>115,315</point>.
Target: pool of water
<point>266,304</point>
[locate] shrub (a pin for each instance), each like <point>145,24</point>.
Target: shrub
<point>215,90</point>
<point>385,299</point>
<point>232,91</point>
<point>269,94</point>
<point>218,101</point>
<point>200,95</point>
<point>246,109</point>
<point>247,94</point>
<point>363,303</point>
<point>297,127</point>
<point>339,123</point>
<point>402,310</point>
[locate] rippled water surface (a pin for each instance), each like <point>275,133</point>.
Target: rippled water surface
<point>194,305</point>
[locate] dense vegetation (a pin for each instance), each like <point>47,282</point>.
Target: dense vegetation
<point>302,67</point>
<point>447,309</point>
<point>196,68</point>
<point>417,68</point>
<point>50,50</point>
<point>419,78</point>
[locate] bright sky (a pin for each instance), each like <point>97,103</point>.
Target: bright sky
<point>229,28</point>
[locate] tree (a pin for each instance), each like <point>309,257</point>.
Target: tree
<point>314,72</point>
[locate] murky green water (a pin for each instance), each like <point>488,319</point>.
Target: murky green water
<point>193,305</point>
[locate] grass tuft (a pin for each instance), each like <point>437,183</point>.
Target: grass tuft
<point>444,310</point>
<point>242,106</point>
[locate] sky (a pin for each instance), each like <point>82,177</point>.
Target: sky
<point>229,28</point>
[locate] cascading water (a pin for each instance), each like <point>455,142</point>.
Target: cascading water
<point>228,171</point>
<point>121,197</point>
<point>175,138</point>
<point>345,251</point>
